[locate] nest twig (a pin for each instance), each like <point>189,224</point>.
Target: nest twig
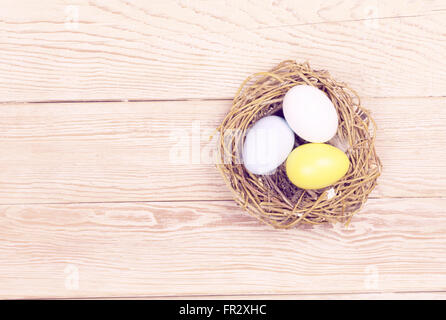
<point>273,198</point>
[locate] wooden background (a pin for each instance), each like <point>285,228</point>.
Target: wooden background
<point>107,187</point>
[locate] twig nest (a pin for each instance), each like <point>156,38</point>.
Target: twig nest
<point>273,198</point>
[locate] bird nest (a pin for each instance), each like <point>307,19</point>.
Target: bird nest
<point>273,199</point>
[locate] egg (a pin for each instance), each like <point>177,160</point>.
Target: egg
<point>267,145</point>
<point>310,113</point>
<point>316,165</point>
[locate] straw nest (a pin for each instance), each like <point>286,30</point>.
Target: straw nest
<point>273,199</point>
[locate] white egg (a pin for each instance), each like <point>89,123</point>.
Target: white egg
<point>310,113</point>
<point>267,145</point>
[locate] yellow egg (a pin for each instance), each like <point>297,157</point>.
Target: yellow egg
<point>316,165</point>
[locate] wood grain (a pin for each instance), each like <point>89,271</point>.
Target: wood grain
<point>153,151</point>
<point>217,16</point>
<point>121,50</point>
<point>197,248</point>
<point>113,199</point>
<point>436,295</point>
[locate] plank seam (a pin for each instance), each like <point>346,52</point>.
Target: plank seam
<point>252,295</point>
<point>175,201</point>
<point>16,102</point>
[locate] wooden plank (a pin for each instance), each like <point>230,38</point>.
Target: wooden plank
<point>439,295</point>
<point>153,151</point>
<point>118,50</point>
<point>198,16</point>
<point>203,248</point>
